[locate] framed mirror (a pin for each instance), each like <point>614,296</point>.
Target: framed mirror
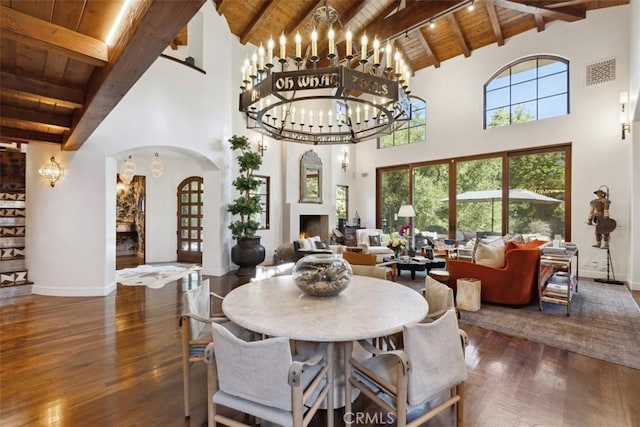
<point>310,178</point>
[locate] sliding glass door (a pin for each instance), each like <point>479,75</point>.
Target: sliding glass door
<point>537,193</point>
<point>478,196</point>
<point>431,192</point>
<point>394,192</point>
<point>525,191</point>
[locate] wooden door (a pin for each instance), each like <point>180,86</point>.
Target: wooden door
<point>190,220</point>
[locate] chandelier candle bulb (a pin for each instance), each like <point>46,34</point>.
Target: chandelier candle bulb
<point>396,59</point>
<point>376,52</point>
<point>349,36</point>
<point>314,45</point>
<point>332,43</point>
<point>254,65</point>
<point>270,45</point>
<point>320,122</point>
<point>387,51</point>
<point>363,54</point>
<point>298,40</point>
<point>261,58</point>
<point>247,68</point>
<point>357,114</point>
<point>283,48</point>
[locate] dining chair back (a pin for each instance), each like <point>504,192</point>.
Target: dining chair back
<point>403,381</point>
<point>439,296</point>
<point>370,271</point>
<point>262,378</point>
<point>195,324</point>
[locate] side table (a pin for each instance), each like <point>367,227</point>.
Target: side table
<point>551,263</point>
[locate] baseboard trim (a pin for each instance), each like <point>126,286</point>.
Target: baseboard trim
<point>58,291</point>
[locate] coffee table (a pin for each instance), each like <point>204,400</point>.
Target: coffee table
<point>417,264</point>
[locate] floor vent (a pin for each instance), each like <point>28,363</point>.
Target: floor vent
<point>601,72</point>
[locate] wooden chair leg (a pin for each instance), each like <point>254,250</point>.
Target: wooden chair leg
<point>460,405</point>
<point>185,379</point>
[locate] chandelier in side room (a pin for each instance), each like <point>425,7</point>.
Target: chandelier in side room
<point>333,104</point>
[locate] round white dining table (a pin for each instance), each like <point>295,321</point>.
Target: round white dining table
<point>368,308</point>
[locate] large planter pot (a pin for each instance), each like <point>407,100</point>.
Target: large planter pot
<point>247,253</point>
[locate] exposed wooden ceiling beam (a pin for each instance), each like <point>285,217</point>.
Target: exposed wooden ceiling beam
<point>8,134</point>
<point>222,6</point>
<point>562,14</point>
<point>262,17</point>
<point>427,47</point>
<point>44,35</point>
<point>149,28</point>
<point>37,90</point>
<point>495,22</point>
<point>539,22</point>
<point>457,34</point>
<point>416,13</point>
<point>59,121</point>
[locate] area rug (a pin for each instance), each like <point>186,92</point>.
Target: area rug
<point>604,323</point>
<point>154,276</point>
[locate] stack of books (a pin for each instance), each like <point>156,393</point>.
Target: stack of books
<point>555,290</point>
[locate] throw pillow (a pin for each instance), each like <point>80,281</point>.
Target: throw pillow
<point>305,244</point>
<point>490,254</point>
<point>374,240</point>
<point>321,245</point>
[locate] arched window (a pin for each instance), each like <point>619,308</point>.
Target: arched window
<point>531,88</point>
<point>411,131</point>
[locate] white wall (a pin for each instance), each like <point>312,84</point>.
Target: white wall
<point>454,96</point>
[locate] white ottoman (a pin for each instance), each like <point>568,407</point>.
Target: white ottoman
<point>468,294</point>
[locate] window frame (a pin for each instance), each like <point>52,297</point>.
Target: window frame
<point>407,127</point>
<point>511,104</point>
<point>346,201</point>
<point>266,196</point>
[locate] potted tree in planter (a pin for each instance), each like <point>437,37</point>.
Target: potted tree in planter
<point>248,252</point>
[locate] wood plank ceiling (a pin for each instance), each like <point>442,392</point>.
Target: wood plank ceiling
<point>59,79</point>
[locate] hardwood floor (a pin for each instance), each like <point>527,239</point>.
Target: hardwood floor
<point>115,361</point>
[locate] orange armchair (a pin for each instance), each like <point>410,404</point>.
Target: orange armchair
<point>514,284</point>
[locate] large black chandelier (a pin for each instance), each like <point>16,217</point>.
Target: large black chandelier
<point>335,104</point>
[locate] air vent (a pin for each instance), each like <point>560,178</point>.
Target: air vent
<point>601,72</point>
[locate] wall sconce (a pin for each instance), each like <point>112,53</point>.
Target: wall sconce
<point>624,118</point>
<point>51,171</point>
<point>262,146</point>
<point>345,161</point>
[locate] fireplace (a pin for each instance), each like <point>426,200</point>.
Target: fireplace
<point>314,225</point>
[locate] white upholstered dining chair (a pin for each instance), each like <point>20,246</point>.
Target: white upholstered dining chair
<point>430,370</point>
<point>195,324</point>
<point>262,378</point>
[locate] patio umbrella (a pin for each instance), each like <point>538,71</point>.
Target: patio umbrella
<point>515,195</point>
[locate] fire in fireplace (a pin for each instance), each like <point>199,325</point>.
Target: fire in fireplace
<point>314,225</point>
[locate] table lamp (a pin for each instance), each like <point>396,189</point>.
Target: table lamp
<point>406,211</point>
